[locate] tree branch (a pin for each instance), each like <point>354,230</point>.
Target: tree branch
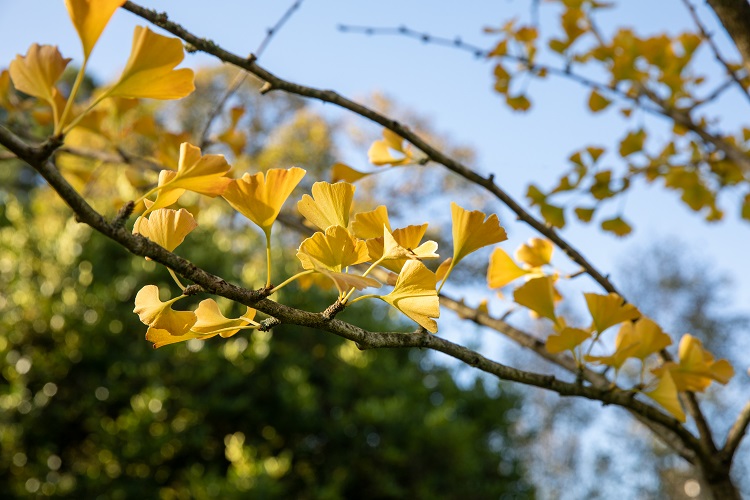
<point>275,83</point>
<point>736,434</point>
<point>141,246</point>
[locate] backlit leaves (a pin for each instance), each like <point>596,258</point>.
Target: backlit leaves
<point>471,231</point>
<point>333,250</point>
<point>696,368</point>
<point>259,197</point>
<point>414,295</point>
<point>329,204</point>
<point>160,315</point>
<point>537,294</point>
<point>37,72</point>
<point>382,152</point>
<point>609,310</point>
<point>150,73</point>
<point>90,17</point>
<point>166,227</point>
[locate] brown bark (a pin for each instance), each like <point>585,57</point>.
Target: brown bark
<point>735,16</point>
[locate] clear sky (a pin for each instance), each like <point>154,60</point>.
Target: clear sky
<point>451,87</point>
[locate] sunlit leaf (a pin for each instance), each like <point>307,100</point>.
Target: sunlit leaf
<point>341,172</point>
<point>696,368</point>
<point>160,315</point>
<point>150,71</point>
<point>329,204</point>
<point>537,294</point>
<point>37,72</point>
<point>381,152</point>
<point>638,339</point>
<point>566,339</point>
<point>415,295</point>
<point>166,227</point>
<point>333,250</point>
<point>609,310</point>
<point>211,320</point>
<point>259,197</point>
<point>401,245</point>
<point>471,231</point>
<point>370,224</point>
<point>502,269</point>
<point>90,17</point>
<point>536,252</point>
<point>665,394</point>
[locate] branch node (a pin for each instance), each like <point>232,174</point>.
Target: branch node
<point>268,324</point>
<point>332,310</point>
<point>266,88</point>
<point>192,290</point>
<point>123,214</point>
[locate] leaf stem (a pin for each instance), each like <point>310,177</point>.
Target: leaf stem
<point>268,256</point>
<point>367,296</point>
<point>71,97</point>
<point>289,280</point>
<point>176,279</point>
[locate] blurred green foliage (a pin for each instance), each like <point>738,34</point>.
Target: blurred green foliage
<point>89,410</point>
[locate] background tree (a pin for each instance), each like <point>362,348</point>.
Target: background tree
<point>90,409</point>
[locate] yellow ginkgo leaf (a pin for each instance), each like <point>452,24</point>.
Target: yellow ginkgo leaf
<point>150,71</point>
<point>201,174</point>
<point>415,295</point>
<point>37,72</point>
<point>502,269</point>
<point>333,250</point>
<point>609,310</point>
<point>160,337</point>
<point>160,315</point>
<point>380,151</point>
<point>211,322</point>
<point>647,337</point>
<point>442,270</point>
<point>567,339</point>
<point>89,18</point>
<point>471,231</point>
<point>665,393</point>
<point>259,197</point>
<point>341,172</point>
<point>537,295</point>
<point>537,252</point>
<point>344,281</point>
<point>164,197</point>
<point>232,137</point>
<point>370,224</point>
<point>697,368</point>
<point>329,204</point>
<point>401,245</point>
<point>638,339</point>
<point>166,227</point>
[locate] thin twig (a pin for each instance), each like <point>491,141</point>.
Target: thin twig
<point>736,433</point>
<point>241,76</point>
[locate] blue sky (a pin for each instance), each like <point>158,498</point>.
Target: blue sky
<point>450,87</point>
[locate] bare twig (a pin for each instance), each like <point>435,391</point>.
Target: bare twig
<point>241,76</point>
<point>736,433</point>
